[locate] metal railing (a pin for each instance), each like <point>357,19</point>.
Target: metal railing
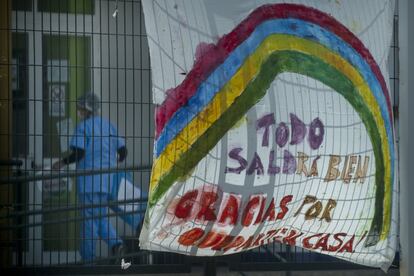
<point>146,261</point>
<point>272,257</point>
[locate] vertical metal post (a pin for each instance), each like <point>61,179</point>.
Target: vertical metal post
<point>210,267</point>
<point>406,133</point>
<point>6,194</point>
<point>5,94</point>
<point>19,204</point>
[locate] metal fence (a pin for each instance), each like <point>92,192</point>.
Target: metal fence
<point>56,51</point>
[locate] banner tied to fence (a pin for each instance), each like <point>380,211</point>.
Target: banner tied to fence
<point>273,124</point>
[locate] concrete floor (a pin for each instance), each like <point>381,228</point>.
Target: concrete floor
<point>198,271</point>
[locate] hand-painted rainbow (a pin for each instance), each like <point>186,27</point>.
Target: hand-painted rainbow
<point>234,75</point>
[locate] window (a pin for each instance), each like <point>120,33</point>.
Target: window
<point>67,75</point>
<point>22,5</point>
<point>19,85</point>
<point>67,6</point>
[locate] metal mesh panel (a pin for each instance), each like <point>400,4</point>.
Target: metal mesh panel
<point>59,51</point>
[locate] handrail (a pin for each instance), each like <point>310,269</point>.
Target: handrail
<point>67,173</point>
<point>11,163</point>
<point>77,207</point>
<point>8,227</point>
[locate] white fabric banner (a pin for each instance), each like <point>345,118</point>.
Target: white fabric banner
<point>273,124</point>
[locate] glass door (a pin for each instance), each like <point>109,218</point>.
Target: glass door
<point>66,76</point>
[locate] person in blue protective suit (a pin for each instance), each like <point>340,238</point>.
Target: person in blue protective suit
<point>95,145</point>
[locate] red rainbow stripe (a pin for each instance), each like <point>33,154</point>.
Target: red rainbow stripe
<point>178,97</point>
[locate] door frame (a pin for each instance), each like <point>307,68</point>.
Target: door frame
<point>50,24</point>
